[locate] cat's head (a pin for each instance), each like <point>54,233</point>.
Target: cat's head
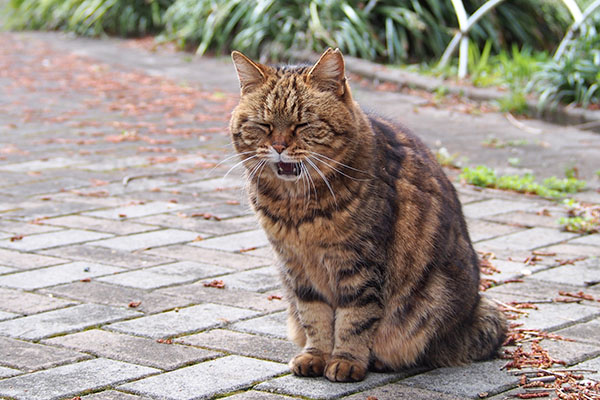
<point>294,122</point>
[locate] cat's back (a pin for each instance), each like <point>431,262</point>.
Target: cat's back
<point>406,163</point>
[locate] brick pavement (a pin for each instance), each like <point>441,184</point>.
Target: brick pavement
<point>114,214</point>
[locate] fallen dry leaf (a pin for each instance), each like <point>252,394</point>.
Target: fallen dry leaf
<point>215,284</point>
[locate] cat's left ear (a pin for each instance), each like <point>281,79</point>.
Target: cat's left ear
<point>250,74</point>
<point>328,74</point>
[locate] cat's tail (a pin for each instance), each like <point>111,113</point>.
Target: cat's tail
<point>478,338</point>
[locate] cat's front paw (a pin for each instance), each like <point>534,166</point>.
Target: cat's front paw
<point>340,369</point>
<point>308,364</point>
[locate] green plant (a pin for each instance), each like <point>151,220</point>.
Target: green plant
<point>574,78</point>
<point>552,187</point>
<point>392,30</point>
<point>582,218</point>
<point>88,17</point>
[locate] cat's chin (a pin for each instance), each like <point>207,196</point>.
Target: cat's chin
<point>286,171</point>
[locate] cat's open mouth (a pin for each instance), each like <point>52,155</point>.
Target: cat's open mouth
<point>287,170</point>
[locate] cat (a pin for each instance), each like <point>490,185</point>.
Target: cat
<point>373,249</point>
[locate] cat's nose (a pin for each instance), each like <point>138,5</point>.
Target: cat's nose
<point>279,147</point>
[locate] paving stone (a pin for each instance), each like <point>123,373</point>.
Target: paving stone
<point>264,252</point>
<point>321,388</point>
<point>136,350</point>
<point>100,225</point>
<point>50,276</point>
<point>274,325</point>
<point>6,372</point>
<point>493,206</point>
<point>204,227</point>
<point>235,242</point>
<point>30,211</point>
<point>136,211</point>
<point>207,379</point>
<point>182,321</point>
<point>47,186</point>
<point>577,274</point>
<point>27,261</point>
<point>113,395</point>
<point>244,344</point>
<point>527,219</point>
<point>467,381</point>
<point>400,392</point>
<point>212,185</point>
<point>573,249</point>
<point>53,239</point>
<point>587,332</point>
<point>108,256</point>
<point>593,364</point>
<point>116,164</point>
<point>147,240</point>
<point>529,239</point>
<point>32,356</point>
<point>25,228</point>
<point>255,395</point>
<point>41,165</point>
<point>102,293</point>
<point>198,293</point>
<point>510,270</point>
<point>7,315</point>
<point>533,289</point>
<point>209,256</point>
<point>65,320</point>
<point>550,317</point>
<point>6,270</point>
<point>483,230</point>
<point>227,209</point>
<point>69,380</point>
<point>17,301</point>
<point>259,280</point>
<point>166,275</point>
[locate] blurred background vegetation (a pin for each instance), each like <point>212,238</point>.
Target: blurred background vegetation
<point>511,46</point>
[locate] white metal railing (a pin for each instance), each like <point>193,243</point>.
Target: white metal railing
<point>465,23</point>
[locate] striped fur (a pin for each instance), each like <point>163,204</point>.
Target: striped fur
<point>372,245</point>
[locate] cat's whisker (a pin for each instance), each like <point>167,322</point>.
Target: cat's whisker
<point>312,164</point>
<point>305,183</point>
<point>255,168</point>
<point>225,160</point>
<point>238,164</point>
<point>262,166</point>
<point>309,181</point>
<point>315,154</point>
<point>338,171</point>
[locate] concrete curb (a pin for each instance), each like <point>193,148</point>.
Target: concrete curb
<point>563,115</point>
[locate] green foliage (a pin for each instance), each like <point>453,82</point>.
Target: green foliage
<point>392,30</point>
<point>88,17</point>
<point>582,218</point>
<point>574,78</point>
<point>552,187</point>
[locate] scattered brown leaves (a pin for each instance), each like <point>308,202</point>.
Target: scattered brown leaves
<point>134,304</point>
<point>578,296</point>
<point>274,297</point>
<point>165,341</point>
<point>215,284</point>
<point>570,261</point>
<point>16,238</point>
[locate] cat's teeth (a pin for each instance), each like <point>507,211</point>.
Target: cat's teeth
<point>279,171</point>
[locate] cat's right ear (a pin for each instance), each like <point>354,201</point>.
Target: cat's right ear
<point>250,74</point>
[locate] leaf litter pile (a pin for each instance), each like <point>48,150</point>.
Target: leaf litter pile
<point>104,109</point>
<point>541,375</point>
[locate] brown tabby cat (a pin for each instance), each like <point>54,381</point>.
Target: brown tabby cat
<point>373,247</point>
